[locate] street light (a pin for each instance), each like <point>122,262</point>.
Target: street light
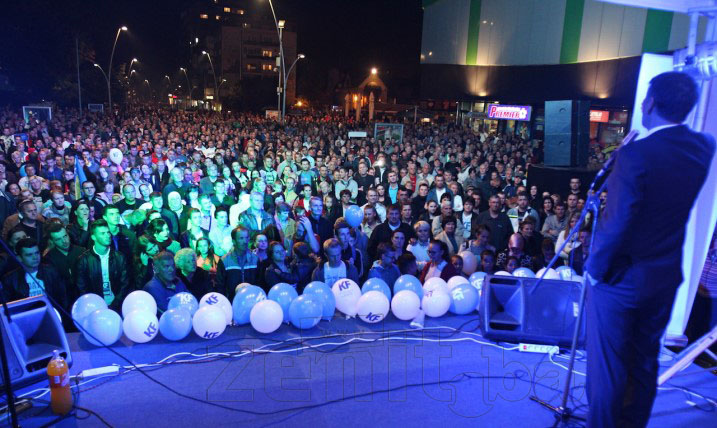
<point>166,76</point>
<point>189,85</point>
<point>109,70</point>
<point>102,71</point>
<point>131,64</point>
<point>279,31</point>
<point>286,77</point>
<point>374,70</point>
<point>216,88</point>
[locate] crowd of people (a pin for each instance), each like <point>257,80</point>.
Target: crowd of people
<point>170,201</point>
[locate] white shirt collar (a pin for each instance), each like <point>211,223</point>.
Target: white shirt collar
<point>659,128</point>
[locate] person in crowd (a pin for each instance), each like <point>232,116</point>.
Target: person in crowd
<point>370,220</point>
<point>349,253</point>
<point>372,199</point>
<point>546,209</point>
<point>419,247</point>
<point>498,223</point>
<point>555,223</point>
<point>457,262</point>
<point>487,262</point>
<point>33,278</point>
<point>304,264</point>
<point>196,281</point>
<point>27,218</point>
<point>516,248</point>
<point>562,236</point>
<point>547,253</point>
<point>194,229</point>
<point>440,265</point>
<point>522,211</point>
<point>334,268</point>
<point>278,271</point>
<point>533,238</point>
<point>398,240</point>
<point>238,266</point>
<point>383,232</point>
<point>206,258</point>
<point>147,248</point>
<point>452,239</point>
<point>62,255</point>
<point>164,284</point>
<point>158,232</point>
<point>103,269</point>
<point>7,262</point>
<point>407,264</point>
<point>385,268</point>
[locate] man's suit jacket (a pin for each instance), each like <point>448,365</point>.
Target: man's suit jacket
<point>651,190</point>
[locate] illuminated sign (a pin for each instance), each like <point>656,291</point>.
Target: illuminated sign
<point>599,116</point>
<point>500,111</point>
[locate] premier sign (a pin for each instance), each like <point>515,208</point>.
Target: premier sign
<point>500,111</point>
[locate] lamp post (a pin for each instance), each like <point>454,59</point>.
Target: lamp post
<point>131,64</point>
<point>220,86</point>
<point>149,88</point>
<point>279,31</point>
<point>286,79</point>
<point>109,70</point>
<point>189,85</point>
<point>216,88</point>
<point>103,73</point>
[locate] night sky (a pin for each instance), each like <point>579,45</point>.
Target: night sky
<point>350,36</point>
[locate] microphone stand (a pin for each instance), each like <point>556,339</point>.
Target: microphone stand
<point>562,412</point>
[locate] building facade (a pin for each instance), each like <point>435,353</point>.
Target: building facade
<point>241,38</point>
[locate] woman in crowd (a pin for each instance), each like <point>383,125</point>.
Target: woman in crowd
<point>439,265</point>
<point>278,271</point>
<point>574,242</point>
<point>206,259</point>
<point>78,229</point>
<point>547,209</point>
<point>158,231</point>
<point>431,212</point>
<point>453,240</point>
<point>143,267</point>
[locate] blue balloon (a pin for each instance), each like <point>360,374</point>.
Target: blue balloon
<point>464,299</point>
<point>408,282</point>
<point>376,284</point>
<point>305,311</point>
<point>322,291</point>
<point>283,294</point>
<point>185,301</point>
<point>244,300</point>
<point>477,279</point>
<point>353,216</point>
<point>175,324</point>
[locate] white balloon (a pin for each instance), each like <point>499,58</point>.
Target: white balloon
<point>436,303</point>
<point>266,316</point>
<point>372,307</point>
<point>139,300</point>
<point>116,156</point>
<point>209,322</point>
<point>456,281</point>
<point>552,274</point>
<point>85,305</point>
<point>435,283</point>
<point>405,305</point>
<point>347,294</point>
<point>470,262</point>
<point>219,300</point>
<point>140,326</point>
<point>502,273</point>
<point>104,325</point>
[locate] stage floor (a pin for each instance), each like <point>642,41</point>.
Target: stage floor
<point>384,375</point>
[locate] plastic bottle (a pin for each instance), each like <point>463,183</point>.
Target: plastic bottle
<point>61,400</point>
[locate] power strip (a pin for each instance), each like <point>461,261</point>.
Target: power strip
<point>540,349</point>
<point>100,371</point>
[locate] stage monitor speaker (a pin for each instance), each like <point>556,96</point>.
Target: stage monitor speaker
<point>567,132</point>
<point>512,312</point>
<point>35,331</point>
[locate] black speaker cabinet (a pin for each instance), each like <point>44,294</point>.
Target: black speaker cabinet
<point>514,310</point>
<point>567,133</point>
<point>35,331</point>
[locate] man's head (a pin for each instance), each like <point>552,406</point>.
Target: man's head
<point>516,244</point>
<point>58,237</point>
<point>572,201</point>
<point>29,253</point>
<point>342,232</point>
<point>128,192</point>
<point>111,215</point>
<point>575,184</point>
<point>164,268</point>
<point>332,249</point>
<point>317,207</point>
<point>406,213</point>
<point>100,232</point>
<point>88,189</point>
<point>439,181</point>
<point>393,215</point>
<point>58,199</point>
<point>559,210</point>
<point>240,236</point>
<point>28,210</point>
<point>386,253</point>
<point>523,201</point>
<point>670,98</point>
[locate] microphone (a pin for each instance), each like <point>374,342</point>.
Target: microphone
<point>625,141</point>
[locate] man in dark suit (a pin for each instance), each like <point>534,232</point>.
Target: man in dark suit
<point>634,268</point>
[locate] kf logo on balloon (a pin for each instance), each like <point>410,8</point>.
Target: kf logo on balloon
<point>372,317</point>
<point>151,330</point>
<point>210,335</point>
<point>212,300</point>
